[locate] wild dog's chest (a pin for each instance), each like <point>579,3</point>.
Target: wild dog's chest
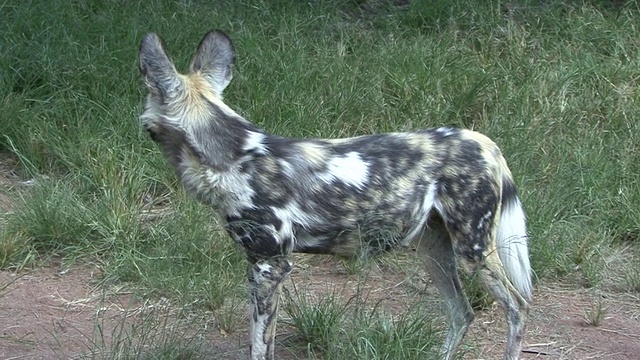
<point>227,191</point>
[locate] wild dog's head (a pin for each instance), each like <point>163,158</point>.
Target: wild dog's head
<point>181,100</point>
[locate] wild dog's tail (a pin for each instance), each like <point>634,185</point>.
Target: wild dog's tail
<point>512,241</point>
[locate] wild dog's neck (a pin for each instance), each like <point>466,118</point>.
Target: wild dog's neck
<point>210,156</point>
<point>220,141</point>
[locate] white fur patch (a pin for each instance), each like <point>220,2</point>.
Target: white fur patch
<point>233,188</point>
<point>255,142</point>
<point>292,215</point>
<point>258,346</point>
<point>428,203</point>
<point>484,220</point>
<point>512,243</point>
<point>264,267</point>
<point>287,168</point>
<point>348,168</point>
<point>445,131</point>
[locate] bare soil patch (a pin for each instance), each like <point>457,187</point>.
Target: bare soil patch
<point>46,313</point>
<point>50,313</point>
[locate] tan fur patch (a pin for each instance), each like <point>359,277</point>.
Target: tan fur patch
<point>314,154</point>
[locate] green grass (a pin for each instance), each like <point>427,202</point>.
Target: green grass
<point>553,83</point>
<point>167,335</point>
<point>595,314</point>
<point>330,326</point>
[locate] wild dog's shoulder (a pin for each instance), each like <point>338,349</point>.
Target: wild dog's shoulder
<point>273,153</point>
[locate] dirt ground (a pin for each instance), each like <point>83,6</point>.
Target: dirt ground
<point>49,313</point>
<point>55,312</point>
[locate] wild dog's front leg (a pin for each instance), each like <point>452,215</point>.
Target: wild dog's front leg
<point>265,280</point>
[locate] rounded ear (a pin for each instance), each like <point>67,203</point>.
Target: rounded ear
<point>156,66</point>
<point>214,59</point>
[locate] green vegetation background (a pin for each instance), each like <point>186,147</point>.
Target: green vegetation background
<point>554,83</point>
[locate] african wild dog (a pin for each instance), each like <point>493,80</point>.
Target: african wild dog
<point>448,190</point>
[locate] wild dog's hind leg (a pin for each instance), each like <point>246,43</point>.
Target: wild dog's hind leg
<point>485,263</point>
<point>437,250</point>
<point>265,280</point>
<point>478,256</point>
<point>494,279</point>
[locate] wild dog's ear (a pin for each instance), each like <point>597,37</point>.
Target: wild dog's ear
<point>156,67</point>
<point>214,58</point>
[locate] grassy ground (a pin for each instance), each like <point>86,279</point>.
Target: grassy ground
<point>555,83</point>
